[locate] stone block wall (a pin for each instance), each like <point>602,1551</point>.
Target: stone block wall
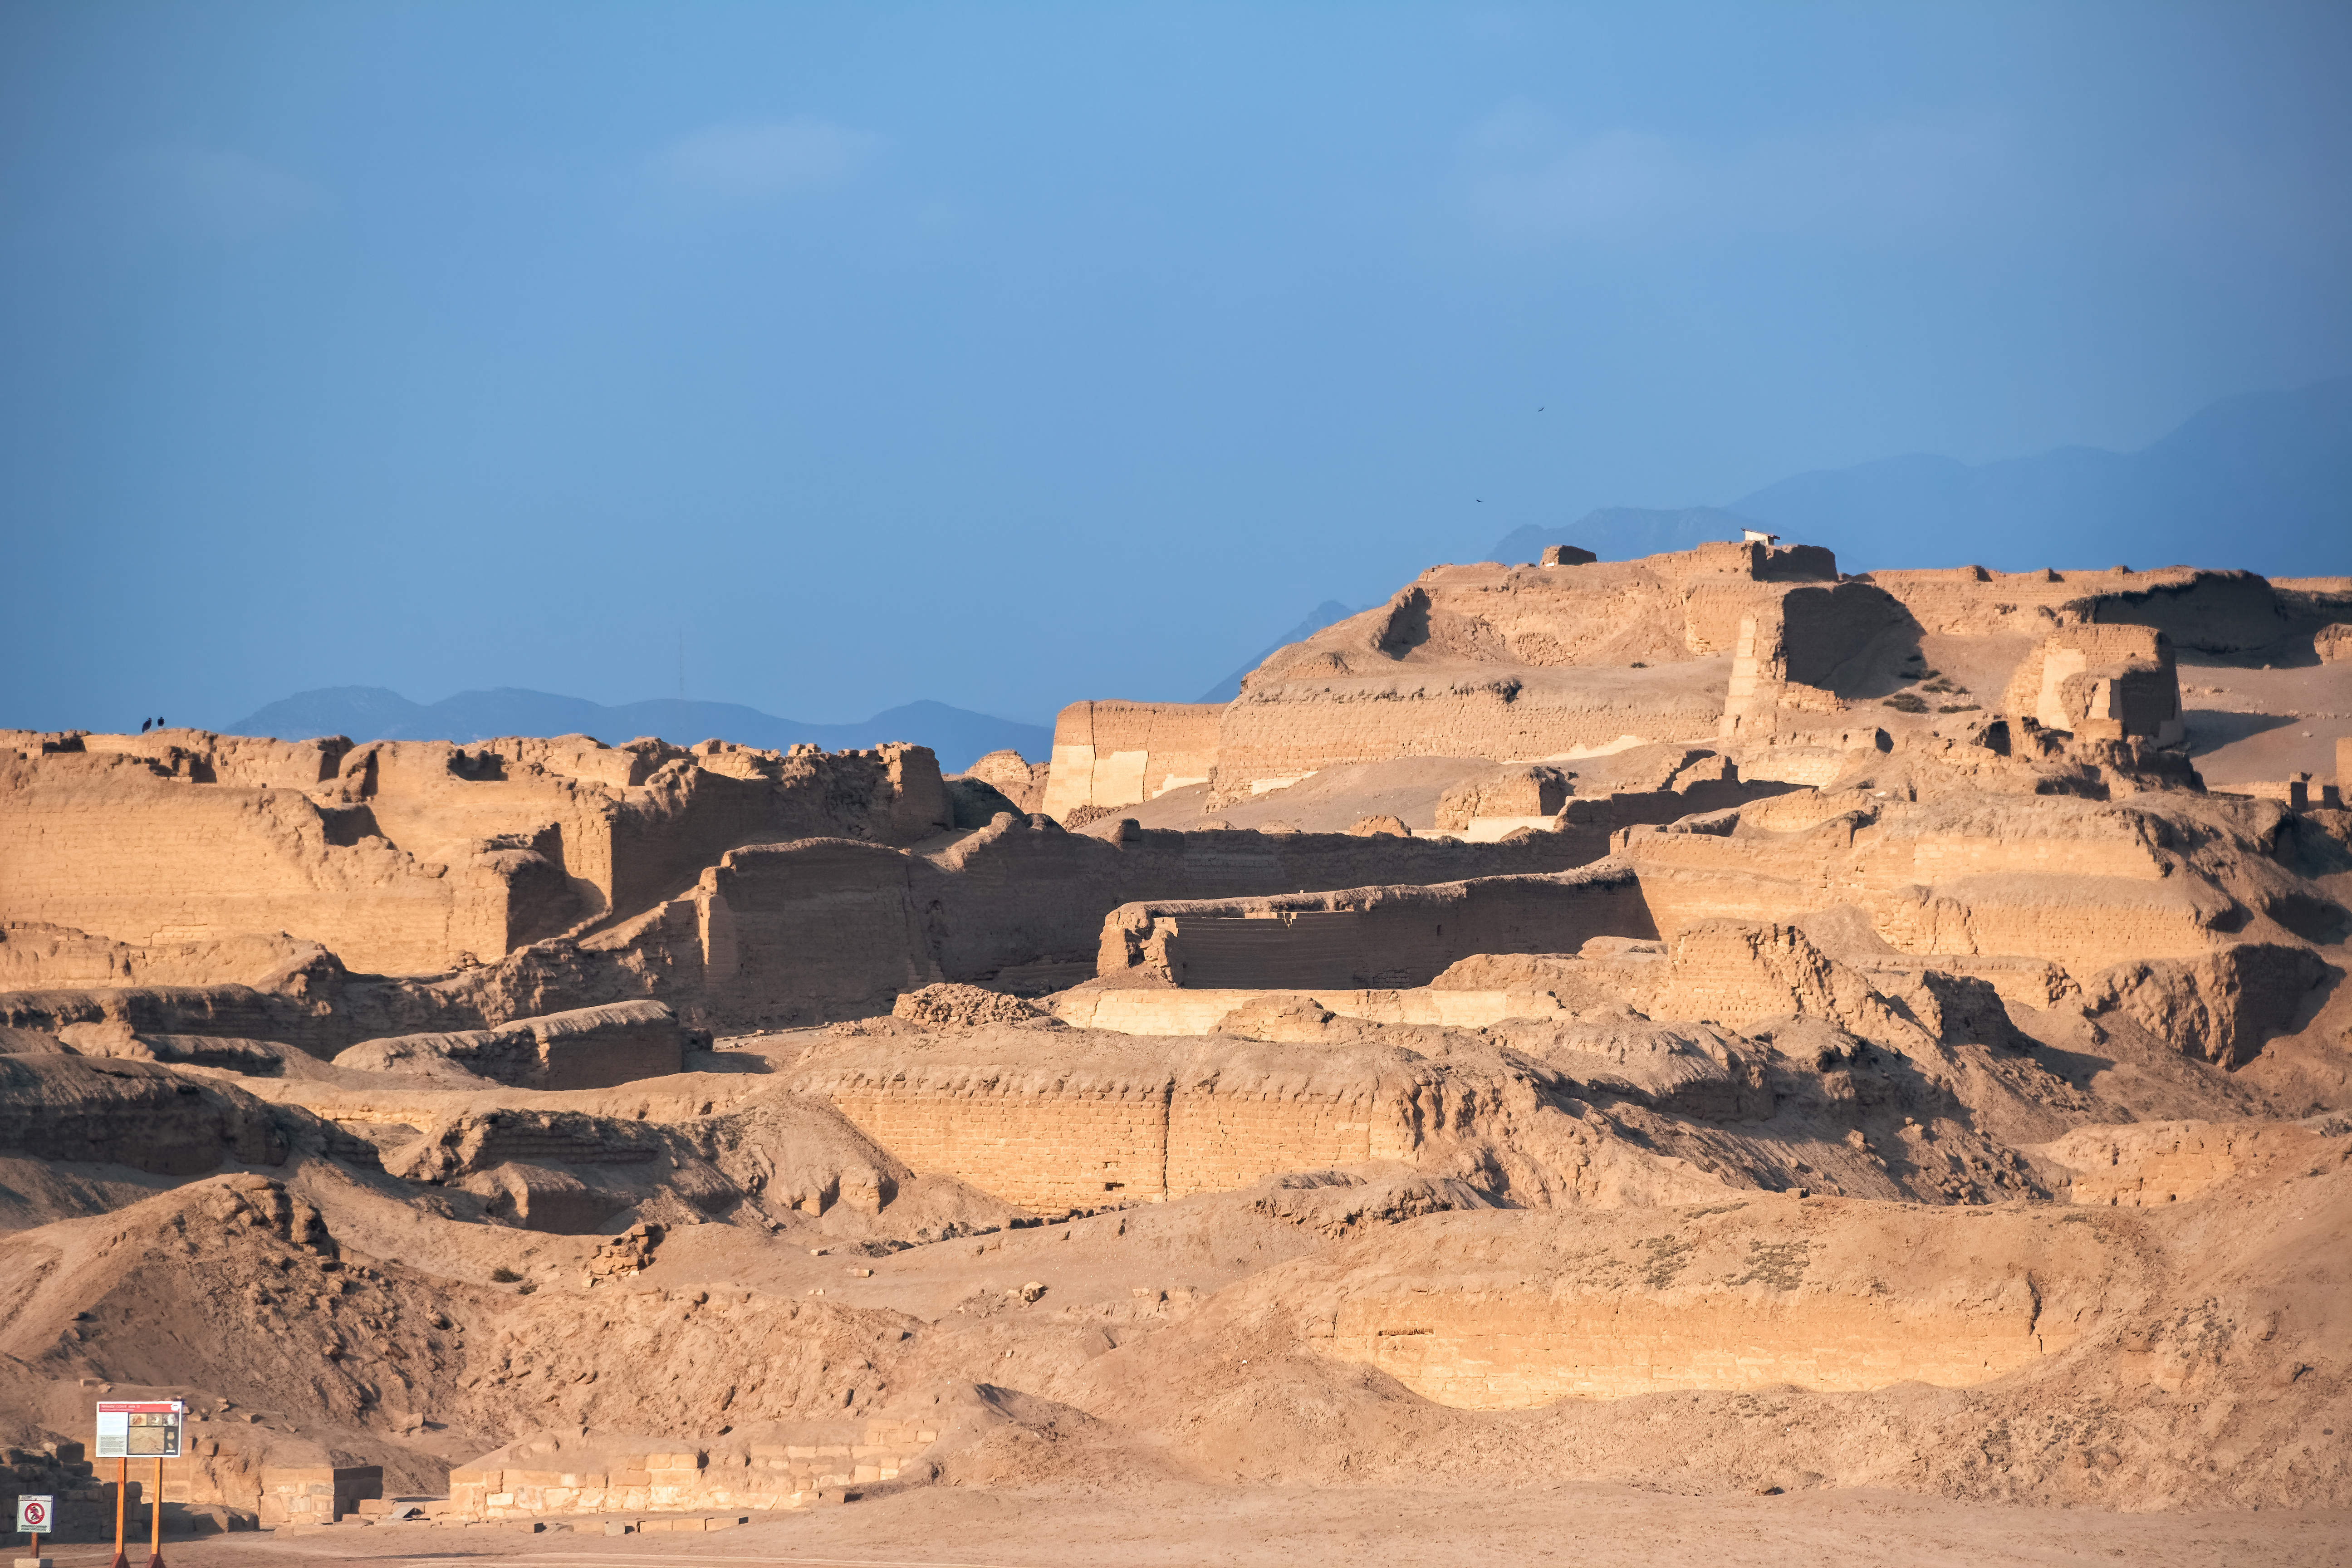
<point>610,1475</point>
<point>310,1494</point>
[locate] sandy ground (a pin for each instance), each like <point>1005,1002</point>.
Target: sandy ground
<point>1174,1525</point>
<point>2246,723</point>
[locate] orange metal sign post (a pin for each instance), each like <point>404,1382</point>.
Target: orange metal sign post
<point>155,1512</point>
<point>121,1492</point>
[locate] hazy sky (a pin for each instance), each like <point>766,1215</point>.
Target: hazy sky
<point>1008,354</point>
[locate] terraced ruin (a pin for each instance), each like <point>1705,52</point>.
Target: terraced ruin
<point>1706,1022</point>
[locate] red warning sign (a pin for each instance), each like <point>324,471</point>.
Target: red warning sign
<point>32,1515</point>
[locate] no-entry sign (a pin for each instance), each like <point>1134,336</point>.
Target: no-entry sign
<point>34,1513</point>
<point>139,1429</point>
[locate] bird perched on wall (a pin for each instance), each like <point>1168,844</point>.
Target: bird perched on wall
<point>143,723</point>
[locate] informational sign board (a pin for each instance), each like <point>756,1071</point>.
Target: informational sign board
<point>34,1513</point>
<point>139,1429</point>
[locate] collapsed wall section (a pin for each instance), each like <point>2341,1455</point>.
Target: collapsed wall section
<point>1368,938</point>
<point>2100,683</point>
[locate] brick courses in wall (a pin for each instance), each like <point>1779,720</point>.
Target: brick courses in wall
<point>1109,754</point>
<point>621,1475</point>
<point>1512,1349</point>
<point>1753,1292</point>
<point>1229,1113</point>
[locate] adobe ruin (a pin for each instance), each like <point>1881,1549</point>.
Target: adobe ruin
<point>1587,1018</point>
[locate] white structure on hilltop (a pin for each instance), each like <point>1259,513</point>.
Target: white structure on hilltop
<point>1758,536</point>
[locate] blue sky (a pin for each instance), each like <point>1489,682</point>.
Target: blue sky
<point>1009,355</point>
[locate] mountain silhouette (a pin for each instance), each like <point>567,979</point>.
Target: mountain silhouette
<point>1321,616</point>
<point>2261,481</point>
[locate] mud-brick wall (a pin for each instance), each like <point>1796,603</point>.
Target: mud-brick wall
<point>820,928</point>
<point>436,800</point>
<point>1043,1144</point>
<point>1019,891</point>
<point>1120,754</point>
<point>1371,938</point>
<point>2084,923</point>
<point>104,846</point>
<point>1518,1348</point>
<point>1048,1143</point>
<point>1294,730</point>
<point>1220,1140</point>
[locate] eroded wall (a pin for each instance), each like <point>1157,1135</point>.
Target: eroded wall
<point>1364,938</point>
<point>408,857</point>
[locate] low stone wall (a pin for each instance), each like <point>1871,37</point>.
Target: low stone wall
<point>310,1494</point>
<point>538,1478</point>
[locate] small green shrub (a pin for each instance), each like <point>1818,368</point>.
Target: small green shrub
<point>1906,702</point>
<point>502,1275</point>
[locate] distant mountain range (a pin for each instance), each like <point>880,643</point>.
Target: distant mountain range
<point>2261,481</point>
<point>959,736</point>
<point>1328,613</point>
